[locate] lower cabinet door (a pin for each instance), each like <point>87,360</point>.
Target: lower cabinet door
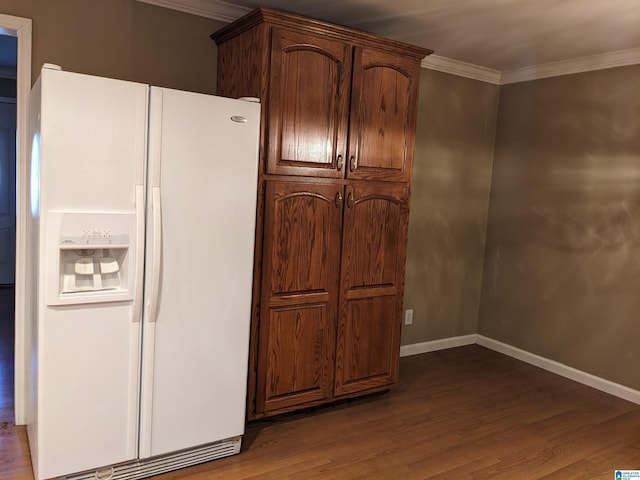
<point>372,276</point>
<point>331,295</point>
<point>301,251</point>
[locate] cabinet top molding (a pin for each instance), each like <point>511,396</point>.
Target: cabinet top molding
<point>309,25</point>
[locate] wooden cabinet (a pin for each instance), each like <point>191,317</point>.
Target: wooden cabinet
<point>337,141</point>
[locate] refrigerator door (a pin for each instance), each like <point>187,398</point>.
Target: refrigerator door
<point>86,356</point>
<point>203,157</point>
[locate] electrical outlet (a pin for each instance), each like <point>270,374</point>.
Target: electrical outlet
<point>408,316</point>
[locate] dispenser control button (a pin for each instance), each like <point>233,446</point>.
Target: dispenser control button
<point>96,234</point>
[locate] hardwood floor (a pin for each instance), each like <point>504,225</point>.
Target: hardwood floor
<point>463,413</point>
<point>15,463</point>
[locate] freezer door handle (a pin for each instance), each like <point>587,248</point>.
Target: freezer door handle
<point>156,206</point>
<point>136,311</point>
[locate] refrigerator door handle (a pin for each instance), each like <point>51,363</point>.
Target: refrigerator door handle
<point>136,311</point>
<point>156,206</point>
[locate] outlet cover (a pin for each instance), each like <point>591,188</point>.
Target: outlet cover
<point>408,316</point>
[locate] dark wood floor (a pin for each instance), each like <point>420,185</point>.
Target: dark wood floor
<point>463,413</point>
<point>14,452</point>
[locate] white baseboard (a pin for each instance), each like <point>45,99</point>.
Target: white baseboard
<point>558,368</point>
<point>434,345</point>
<point>561,369</point>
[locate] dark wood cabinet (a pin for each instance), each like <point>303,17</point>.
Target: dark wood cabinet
<point>337,140</point>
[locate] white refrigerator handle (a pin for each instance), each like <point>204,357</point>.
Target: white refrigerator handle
<point>136,311</point>
<point>156,206</point>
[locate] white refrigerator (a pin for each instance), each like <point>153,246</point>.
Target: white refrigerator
<point>141,240</point>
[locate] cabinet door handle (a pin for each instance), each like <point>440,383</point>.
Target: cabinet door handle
<point>350,200</point>
<point>340,162</point>
<point>338,200</point>
<point>353,161</point>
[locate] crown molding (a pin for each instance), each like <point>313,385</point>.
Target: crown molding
<point>619,58</point>
<point>462,69</point>
<point>215,9</point>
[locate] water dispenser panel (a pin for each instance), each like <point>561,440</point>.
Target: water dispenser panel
<point>90,258</point>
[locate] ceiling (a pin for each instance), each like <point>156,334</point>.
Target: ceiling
<point>501,35</point>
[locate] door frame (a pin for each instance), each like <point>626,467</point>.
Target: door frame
<point>21,28</point>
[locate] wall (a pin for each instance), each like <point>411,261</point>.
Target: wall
<point>122,39</point>
<point>562,265</point>
<point>449,203</point>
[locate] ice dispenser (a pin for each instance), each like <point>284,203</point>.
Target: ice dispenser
<point>90,258</point>
<point>91,269</point>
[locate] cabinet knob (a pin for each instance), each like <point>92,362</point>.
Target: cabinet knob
<point>353,161</point>
<point>350,200</point>
<point>340,162</point>
<point>338,200</point>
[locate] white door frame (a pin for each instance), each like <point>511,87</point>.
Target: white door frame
<point>21,28</point>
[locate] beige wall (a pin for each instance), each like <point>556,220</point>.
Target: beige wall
<point>122,39</point>
<point>449,203</point>
<point>562,266</point>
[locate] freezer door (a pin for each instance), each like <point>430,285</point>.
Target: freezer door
<point>203,156</point>
<point>85,356</point>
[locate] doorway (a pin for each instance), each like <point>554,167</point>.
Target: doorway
<point>19,30</point>
<point>8,64</point>
<point>8,91</point>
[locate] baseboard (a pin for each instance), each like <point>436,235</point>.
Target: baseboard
<point>558,368</point>
<point>434,345</point>
<point>561,369</point>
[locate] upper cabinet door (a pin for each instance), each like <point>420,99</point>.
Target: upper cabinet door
<point>383,116</point>
<point>308,105</point>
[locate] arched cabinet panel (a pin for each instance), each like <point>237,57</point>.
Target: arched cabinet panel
<point>309,95</point>
<point>372,276</point>
<point>382,126</point>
